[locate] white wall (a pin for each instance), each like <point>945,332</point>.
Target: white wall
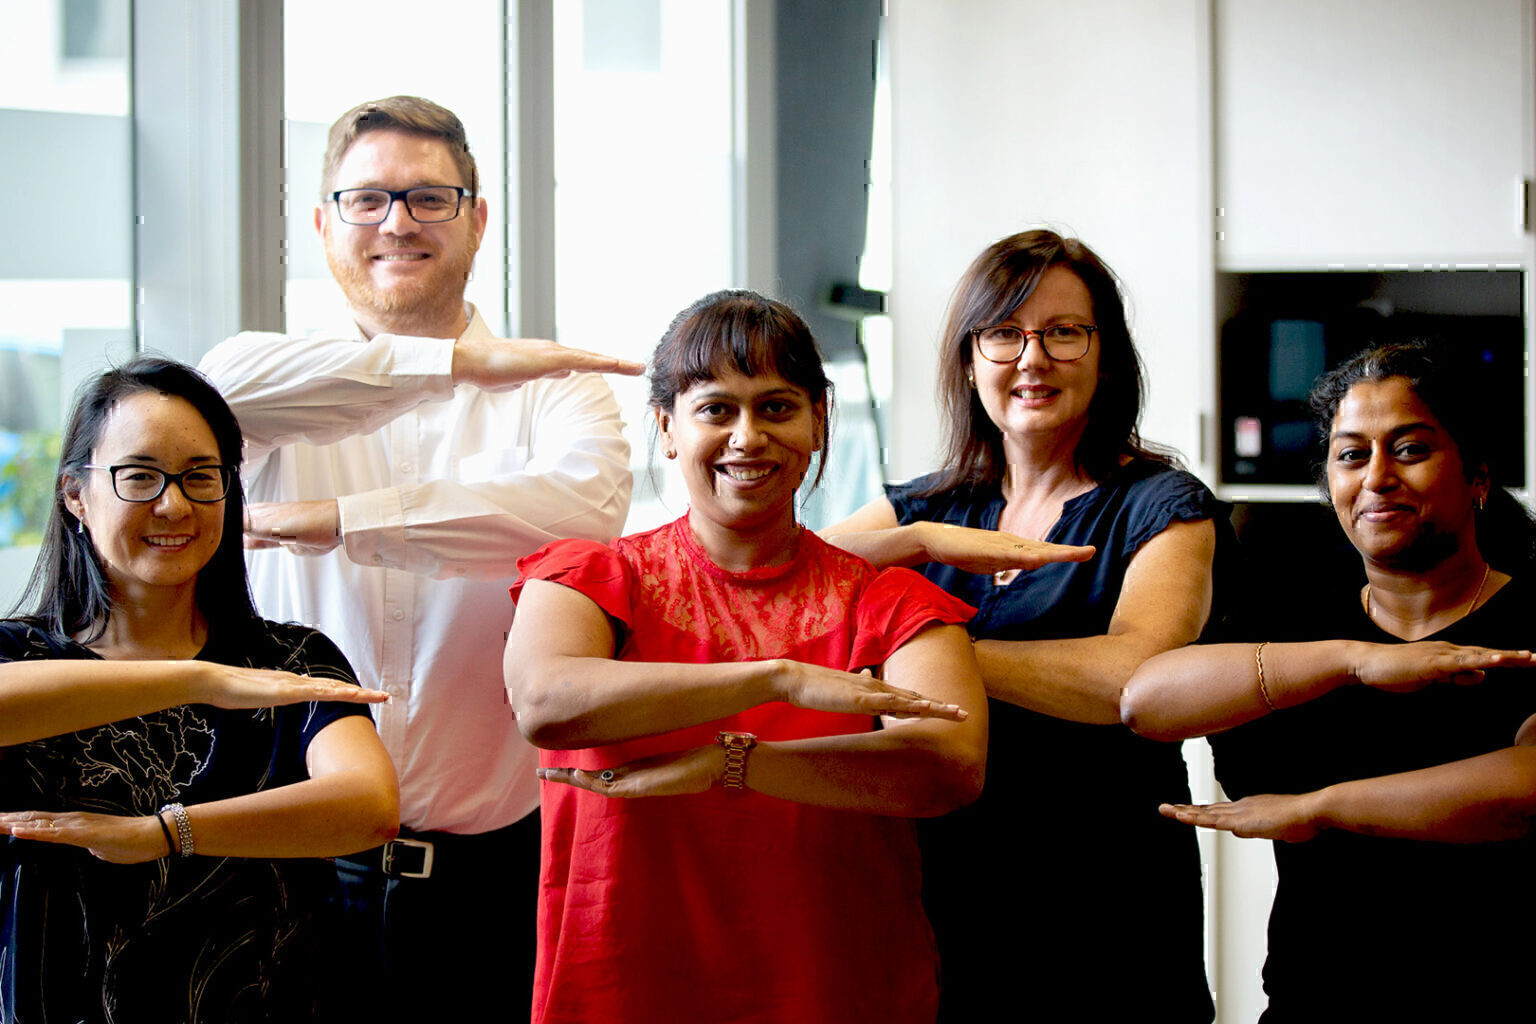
<point>1091,117</point>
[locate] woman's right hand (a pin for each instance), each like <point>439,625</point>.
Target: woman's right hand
<point>825,689</point>
<point>990,551</point>
<point>1406,668</point>
<point>237,688</point>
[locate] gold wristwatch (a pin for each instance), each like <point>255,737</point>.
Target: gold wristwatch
<point>736,745</point>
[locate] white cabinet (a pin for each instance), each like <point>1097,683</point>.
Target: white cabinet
<point>1371,133</point>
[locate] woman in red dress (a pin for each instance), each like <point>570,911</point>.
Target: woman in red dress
<point>735,741</point>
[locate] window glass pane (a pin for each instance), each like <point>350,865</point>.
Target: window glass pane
<point>65,300</point>
<point>644,165</point>
<point>329,69</point>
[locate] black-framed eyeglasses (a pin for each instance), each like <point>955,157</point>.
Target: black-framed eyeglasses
<point>202,484</point>
<point>1004,343</point>
<point>427,204</point>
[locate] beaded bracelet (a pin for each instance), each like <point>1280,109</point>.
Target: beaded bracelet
<point>183,827</point>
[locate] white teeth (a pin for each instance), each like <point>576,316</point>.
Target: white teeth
<point>745,473</point>
<point>166,542</point>
<point>394,256</point>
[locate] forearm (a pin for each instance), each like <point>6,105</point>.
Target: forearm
<point>565,703</point>
<point>1195,691</point>
<point>894,546</point>
<point>322,388</point>
<point>1481,799</point>
<point>552,463</point>
<point>339,813</point>
<point>908,769</point>
<point>1080,680</point>
<point>39,699</point>
<point>478,531</point>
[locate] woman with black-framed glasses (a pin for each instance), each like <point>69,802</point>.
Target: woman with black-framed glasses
<point>172,767</point>
<point>1086,551</point>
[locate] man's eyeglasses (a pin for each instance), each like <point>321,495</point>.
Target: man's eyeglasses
<point>202,484</point>
<point>1005,343</point>
<point>427,204</point>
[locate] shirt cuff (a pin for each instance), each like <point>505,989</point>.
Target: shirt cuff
<point>373,527</point>
<point>430,359</point>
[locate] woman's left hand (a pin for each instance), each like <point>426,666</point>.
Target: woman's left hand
<point>115,838</point>
<point>1270,816</point>
<point>688,771</point>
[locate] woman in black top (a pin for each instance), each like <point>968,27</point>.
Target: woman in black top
<point>1405,808</point>
<point>169,776</point>
<point>1042,391</point>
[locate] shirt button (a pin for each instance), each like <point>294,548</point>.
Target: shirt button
<point>405,467</point>
<point>378,559</point>
<point>398,615</point>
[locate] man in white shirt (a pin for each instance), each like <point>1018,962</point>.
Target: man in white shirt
<point>396,470</point>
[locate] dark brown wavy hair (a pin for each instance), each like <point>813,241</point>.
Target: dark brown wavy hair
<point>996,284</point>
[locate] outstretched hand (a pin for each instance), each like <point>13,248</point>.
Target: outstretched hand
<point>115,838</point>
<point>1405,668</point>
<point>687,771</point>
<point>1270,816</point>
<point>238,688</point>
<point>500,364</point>
<point>990,551</point>
<point>825,689</point>
<point>304,527</point>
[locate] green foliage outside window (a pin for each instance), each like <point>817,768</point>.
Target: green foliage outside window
<point>26,488</point>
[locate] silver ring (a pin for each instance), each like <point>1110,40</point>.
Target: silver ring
<point>606,775</point>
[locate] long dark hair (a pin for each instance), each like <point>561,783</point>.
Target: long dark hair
<point>1447,383</point>
<point>746,332</point>
<point>993,286</point>
<point>68,594</point>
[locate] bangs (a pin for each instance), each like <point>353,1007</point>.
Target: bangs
<point>751,340</point>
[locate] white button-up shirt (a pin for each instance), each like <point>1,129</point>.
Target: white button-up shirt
<point>441,490</point>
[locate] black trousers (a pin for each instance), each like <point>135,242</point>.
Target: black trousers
<point>445,947</point>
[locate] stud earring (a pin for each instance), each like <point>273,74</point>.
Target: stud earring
<point>970,378</point>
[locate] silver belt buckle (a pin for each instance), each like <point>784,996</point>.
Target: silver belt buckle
<point>390,868</point>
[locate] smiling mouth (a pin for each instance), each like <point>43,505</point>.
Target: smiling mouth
<point>745,474</point>
<point>1029,392</point>
<point>168,542</point>
<point>1378,512</point>
<point>396,257</point>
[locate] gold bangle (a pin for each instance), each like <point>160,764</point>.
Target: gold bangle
<point>1258,659</point>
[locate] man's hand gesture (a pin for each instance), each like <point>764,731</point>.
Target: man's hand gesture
<point>500,364</point>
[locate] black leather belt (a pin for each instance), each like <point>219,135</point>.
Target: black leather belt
<point>419,854</point>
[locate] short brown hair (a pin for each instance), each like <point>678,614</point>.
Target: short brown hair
<point>410,114</point>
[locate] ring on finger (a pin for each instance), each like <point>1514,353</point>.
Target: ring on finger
<point>606,776</point>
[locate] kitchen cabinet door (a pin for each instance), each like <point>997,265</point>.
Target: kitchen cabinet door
<point>1371,133</point>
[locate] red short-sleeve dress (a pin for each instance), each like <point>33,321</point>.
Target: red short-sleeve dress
<point>732,906</point>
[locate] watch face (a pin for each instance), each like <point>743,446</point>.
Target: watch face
<point>736,740</point>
